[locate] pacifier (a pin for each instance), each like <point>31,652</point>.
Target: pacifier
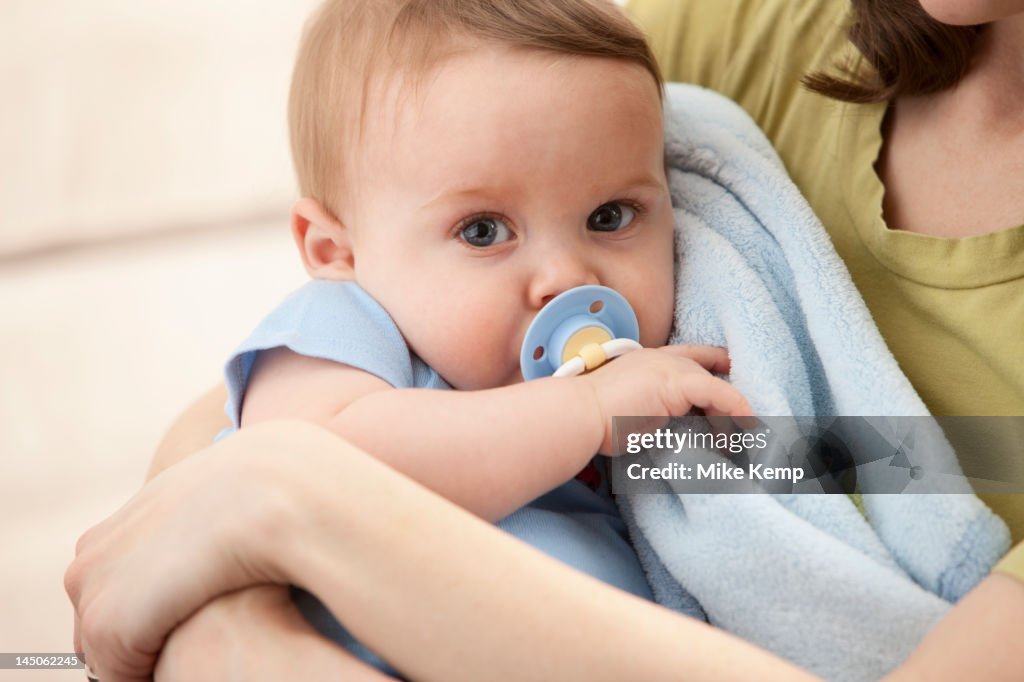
<point>577,331</point>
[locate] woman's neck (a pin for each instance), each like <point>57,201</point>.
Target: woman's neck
<point>991,92</point>
<point>952,161</point>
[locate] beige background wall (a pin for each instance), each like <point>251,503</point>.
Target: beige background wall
<point>122,116</point>
<point>144,192</point>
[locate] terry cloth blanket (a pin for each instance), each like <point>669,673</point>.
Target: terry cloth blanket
<point>804,576</point>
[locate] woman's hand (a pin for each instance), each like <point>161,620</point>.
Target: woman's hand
<point>252,635</point>
<point>207,526</point>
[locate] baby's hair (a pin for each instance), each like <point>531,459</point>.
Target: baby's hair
<point>347,43</point>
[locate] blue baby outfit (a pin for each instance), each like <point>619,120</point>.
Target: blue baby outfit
<point>339,321</point>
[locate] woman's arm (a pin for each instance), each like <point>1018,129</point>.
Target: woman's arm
<point>978,640</point>
<point>252,635</point>
<point>440,593</point>
<point>479,604</point>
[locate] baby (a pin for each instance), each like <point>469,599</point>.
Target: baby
<point>463,162</point>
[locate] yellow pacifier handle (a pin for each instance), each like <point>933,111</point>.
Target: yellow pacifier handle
<point>586,344</point>
<point>593,356</point>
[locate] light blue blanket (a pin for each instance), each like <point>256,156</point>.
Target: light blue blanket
<point>805,576</point>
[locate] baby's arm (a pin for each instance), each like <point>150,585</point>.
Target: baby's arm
<point>489,451</point>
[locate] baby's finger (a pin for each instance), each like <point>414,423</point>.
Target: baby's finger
<point>715,395</point>
<point>711,358</point>
<point>722,422</point>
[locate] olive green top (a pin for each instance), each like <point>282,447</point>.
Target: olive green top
<point>951,310</point>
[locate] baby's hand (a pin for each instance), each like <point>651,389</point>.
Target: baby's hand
<point>664,382</point>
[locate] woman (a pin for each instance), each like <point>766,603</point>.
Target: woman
<point>942,275</point>
<point>916,171</point>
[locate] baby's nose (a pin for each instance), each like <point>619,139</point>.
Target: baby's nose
<point>560,273</point>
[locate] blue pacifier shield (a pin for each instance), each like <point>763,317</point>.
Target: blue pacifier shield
<point>567,314</point>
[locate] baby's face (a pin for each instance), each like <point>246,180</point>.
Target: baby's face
<point>510,177</point>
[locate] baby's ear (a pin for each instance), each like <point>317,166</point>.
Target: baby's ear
<point>324,243</point>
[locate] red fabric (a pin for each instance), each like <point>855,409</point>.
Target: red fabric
<point>590,476</point>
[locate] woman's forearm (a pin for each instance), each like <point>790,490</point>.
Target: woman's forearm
<point>976,641</point>
<point>444,596</point>
<point>253,635</point>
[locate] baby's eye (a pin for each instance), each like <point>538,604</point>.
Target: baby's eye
<point>610,217</point>
<point>483,232</point>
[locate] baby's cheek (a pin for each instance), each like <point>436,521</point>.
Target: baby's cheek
<point>656,334</point>
<point>484,347</point>
<point>659,312</point>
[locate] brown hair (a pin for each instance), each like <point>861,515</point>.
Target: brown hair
<point>347,43</point>
<point>910,52</point>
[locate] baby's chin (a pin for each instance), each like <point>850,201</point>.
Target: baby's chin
<point>516,378</point>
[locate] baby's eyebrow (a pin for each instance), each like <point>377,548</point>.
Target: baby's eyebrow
<point>645,181</point>
<point>462,194</point>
